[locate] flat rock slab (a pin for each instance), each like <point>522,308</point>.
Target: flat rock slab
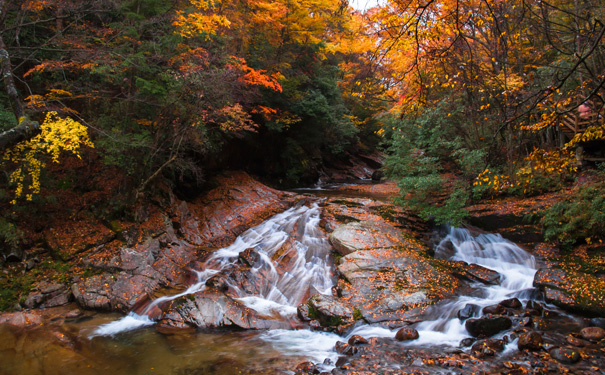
<point>109,292</point>
<point>21,319</point>
<point>391,284</point>
<point>365,235</point>
<point>475,273</point>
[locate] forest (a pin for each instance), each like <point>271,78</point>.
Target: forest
<point>110,103</point>
<point>302,187</point>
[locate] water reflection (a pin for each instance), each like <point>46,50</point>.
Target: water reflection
<point>66,349</point>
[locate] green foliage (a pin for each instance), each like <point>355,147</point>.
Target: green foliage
<point>420,150</point>
<point>7,119</point>
<point>13,288</point>
<point>579,217</point>
<point>10,235</point>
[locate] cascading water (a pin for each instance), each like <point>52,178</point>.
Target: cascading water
<point>515,266</point>
<point>309,270</point>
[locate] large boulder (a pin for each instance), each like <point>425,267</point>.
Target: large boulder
<point>119,292</point>
<point>487,325</point>
<point>238,203</point>
<point>211,309</point>
<point>392,285</point>
<point>571,290</point>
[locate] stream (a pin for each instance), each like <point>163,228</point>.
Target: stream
<point>107,343</point>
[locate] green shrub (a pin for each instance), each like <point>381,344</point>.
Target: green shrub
<point>420,149</point>
<point>10,235</point>
<point>579,217</point>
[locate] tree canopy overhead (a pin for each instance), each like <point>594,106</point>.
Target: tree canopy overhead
<point>482,89</point>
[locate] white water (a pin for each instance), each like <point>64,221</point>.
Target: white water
<point>281,290</point>
<point>309,272</point>
<point>515,266</point>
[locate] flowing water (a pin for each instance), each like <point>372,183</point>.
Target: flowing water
<point>516,267</point>
<point>309,272</point>
<point>125,343</point>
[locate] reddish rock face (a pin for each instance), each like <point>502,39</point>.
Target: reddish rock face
<point>228,210</point>
<point>131,274</point>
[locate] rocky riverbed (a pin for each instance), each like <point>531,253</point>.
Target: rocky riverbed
<point>387,277</point>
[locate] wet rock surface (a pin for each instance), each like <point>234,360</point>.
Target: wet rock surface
<point>573,291</point>
<point>385,275</point>
<point>329,310</point>
<point>161,257</point>
<point>487,325</point>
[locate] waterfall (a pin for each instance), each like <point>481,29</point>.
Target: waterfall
<point>308,271</point>
<point>515,266</point>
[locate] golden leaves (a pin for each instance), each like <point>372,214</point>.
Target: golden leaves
<point>58,135</point>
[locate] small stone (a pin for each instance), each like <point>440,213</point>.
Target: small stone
<point>525,321</point>
<point>592,333</point>
<point>73,314</point>
<point>465,343</point>
<point>531,341</point>
<point>418,362</point>
<point>512,303</point>
<point>406,334</point>
<point>470,310</point>
<point>345,349</point>
<point>341,361</point>
<point>306,368</point>
<point>494,345</point>
<point>574,341</point>
<point>565,355</point>
<point>303,312</point>
<point>357,340</point>
<point>494,310</point>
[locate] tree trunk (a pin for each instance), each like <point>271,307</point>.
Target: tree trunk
<point>25,129</point>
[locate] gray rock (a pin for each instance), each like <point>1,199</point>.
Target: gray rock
<point>329,310</point>
<point>391,285</point>
<point>565,355</point>
<point>364,235</point>
<point>468,311</point>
